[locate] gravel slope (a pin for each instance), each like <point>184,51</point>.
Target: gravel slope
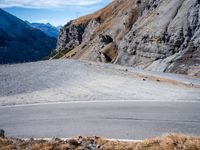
<point>72,80</point>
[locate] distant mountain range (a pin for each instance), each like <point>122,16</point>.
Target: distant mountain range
<point>47,28</point>
<point>19,42</point>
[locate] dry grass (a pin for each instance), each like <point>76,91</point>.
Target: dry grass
<point>168,80</point>
<point>168,142</point>
<point>171,142</point>
<point>108,14</point>
<point>101,15</point>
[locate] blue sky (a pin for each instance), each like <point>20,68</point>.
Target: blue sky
<point>56,12</point>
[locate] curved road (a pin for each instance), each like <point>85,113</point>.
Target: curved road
<point>124,120</point>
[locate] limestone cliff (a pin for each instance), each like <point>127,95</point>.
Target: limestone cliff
<point>157,35</point>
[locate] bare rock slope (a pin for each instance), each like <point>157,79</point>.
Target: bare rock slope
<point>158,35</point>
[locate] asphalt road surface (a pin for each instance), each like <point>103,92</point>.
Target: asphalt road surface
<point>124,120</point>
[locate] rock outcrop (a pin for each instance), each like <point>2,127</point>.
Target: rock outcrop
<point>157,35</point>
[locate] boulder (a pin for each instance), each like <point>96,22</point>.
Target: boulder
<point>2,133</point>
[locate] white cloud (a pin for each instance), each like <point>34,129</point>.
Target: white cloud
<point>45,3</point>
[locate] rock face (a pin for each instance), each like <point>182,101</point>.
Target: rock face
<point>157,35</point>
<point>19,42</point>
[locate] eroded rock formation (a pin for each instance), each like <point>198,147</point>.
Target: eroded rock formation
<point>157,35</point>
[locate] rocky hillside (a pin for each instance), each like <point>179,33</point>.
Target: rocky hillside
<point>158,35</point>
<point>19,42</point>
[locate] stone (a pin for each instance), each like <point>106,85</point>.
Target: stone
<point>2,133</point>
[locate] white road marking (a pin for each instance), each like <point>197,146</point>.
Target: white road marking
<point>102,101</point>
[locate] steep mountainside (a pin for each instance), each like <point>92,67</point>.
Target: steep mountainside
<point>46,28</point>
<point>21,43</point>
<point>158,35</point>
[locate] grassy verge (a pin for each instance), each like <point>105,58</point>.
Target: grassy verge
<point>168,142</point>
<point>58,54</point>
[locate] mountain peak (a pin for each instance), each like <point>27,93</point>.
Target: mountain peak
<point>47,28</point>
<point>48,24</point>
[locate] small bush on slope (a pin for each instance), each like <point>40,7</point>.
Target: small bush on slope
<point>58,54</point>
